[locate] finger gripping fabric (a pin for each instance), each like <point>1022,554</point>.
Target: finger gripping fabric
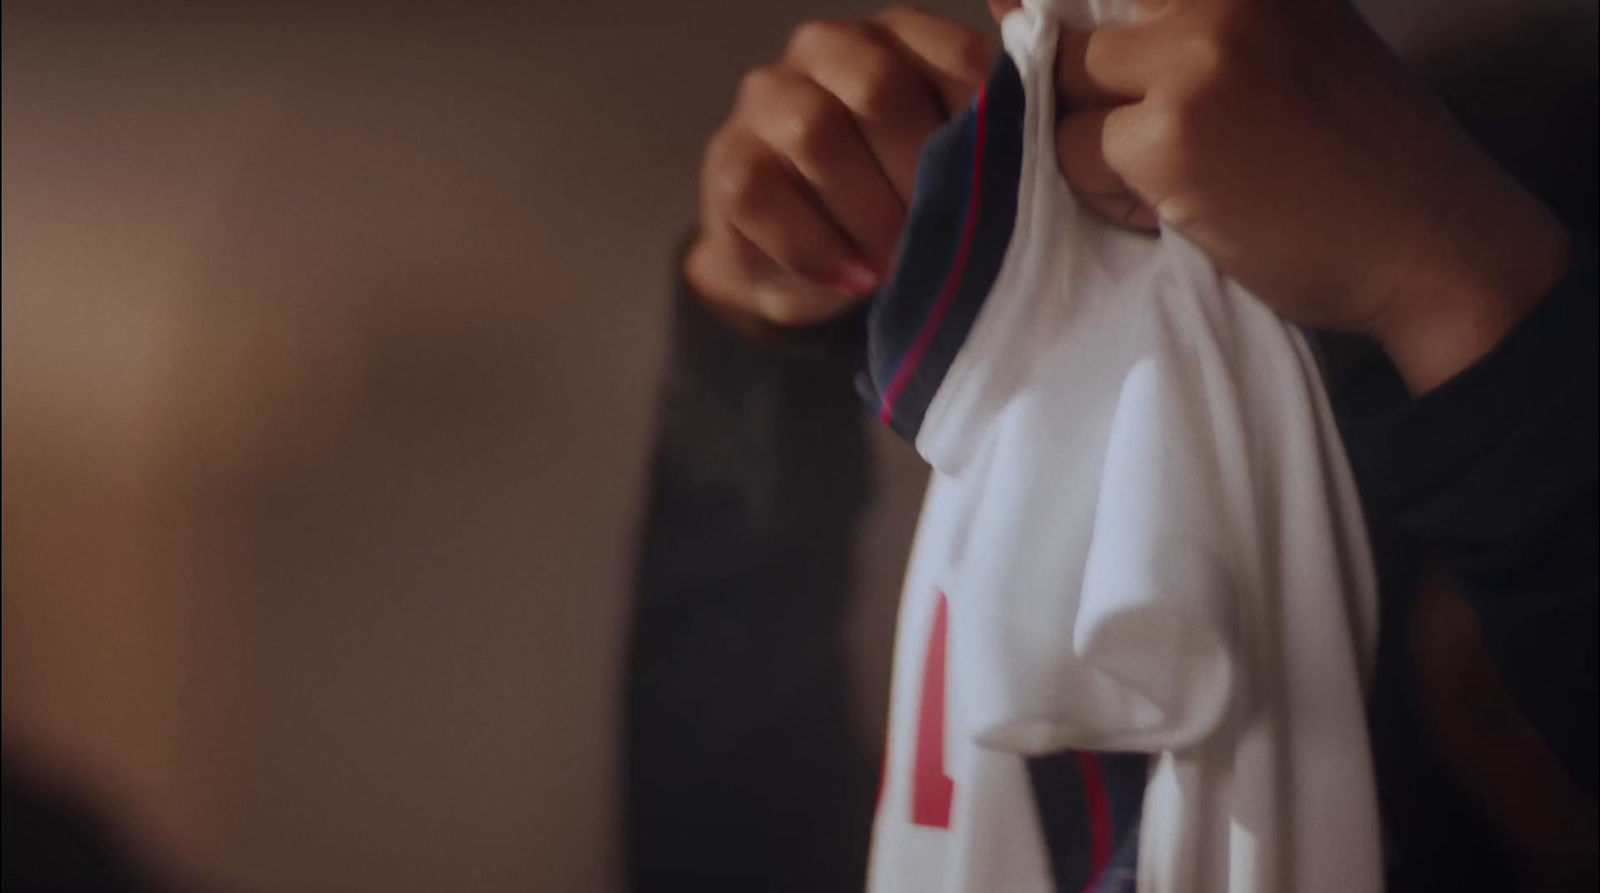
<point>1140,606</point>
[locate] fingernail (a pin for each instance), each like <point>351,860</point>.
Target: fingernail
<point>856,278</point>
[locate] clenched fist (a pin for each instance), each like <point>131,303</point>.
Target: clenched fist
<point>1292,147</point>
<point>1284,139</point>
<point>805,187</point>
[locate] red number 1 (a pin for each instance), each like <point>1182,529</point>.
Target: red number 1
<point>931,789</point>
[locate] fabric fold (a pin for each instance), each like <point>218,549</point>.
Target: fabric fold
<point>1141,553</point>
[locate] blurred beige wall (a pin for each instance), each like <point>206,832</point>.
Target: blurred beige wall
<point>330,341</point>
<point>330,338</point>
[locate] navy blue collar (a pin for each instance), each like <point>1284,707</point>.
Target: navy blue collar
<point>962,214</point>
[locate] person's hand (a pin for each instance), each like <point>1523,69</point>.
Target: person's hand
<point>1289,144</point>
<point>804,189</point>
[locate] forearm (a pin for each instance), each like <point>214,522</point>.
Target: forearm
<point>739,732</point>
<point>1476,274</point>
<point>762,414</point>
<point>1494,471</point>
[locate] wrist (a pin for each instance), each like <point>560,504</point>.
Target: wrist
<point>1464,294</point>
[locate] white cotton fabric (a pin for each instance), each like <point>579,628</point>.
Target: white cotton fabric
<point>1149,539</point>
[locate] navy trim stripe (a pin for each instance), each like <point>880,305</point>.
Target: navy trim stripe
<point>958,266</point>
<point>1067,822</point>
<point>955,240</point>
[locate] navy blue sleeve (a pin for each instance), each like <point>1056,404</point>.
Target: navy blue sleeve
<point>1495,473</point>
<point>744,767</point>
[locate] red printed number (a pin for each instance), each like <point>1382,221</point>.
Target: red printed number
<point>931,789</point>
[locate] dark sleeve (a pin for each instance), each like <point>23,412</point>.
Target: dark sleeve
<point>744,766</point>
<point>1495,472</point>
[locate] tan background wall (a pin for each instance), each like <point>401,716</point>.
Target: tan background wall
<point>330,334</point>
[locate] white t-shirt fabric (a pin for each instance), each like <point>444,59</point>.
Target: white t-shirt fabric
<point>1141,535</point>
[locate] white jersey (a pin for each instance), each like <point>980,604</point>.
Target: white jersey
<point>1141,604</point>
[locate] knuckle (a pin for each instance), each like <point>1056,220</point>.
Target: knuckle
<point>1172,138</point>
<point>815,35</point>
<point>1217,53</point>
<point>756,87</point>
<point>1101,53</point>
<point>784,309</point>
<point>972,53</point>
<point>1203,59</point>
<point>739,182</point>
<point>1123,158</point>
<point>881,87</point>
<point>1163,125</point>
<point>816,125</point>
<point>1146,149</point>
<point>800,306</point>
<point>709,270</point>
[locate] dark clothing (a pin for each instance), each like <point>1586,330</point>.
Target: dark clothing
<point>743,766</point>
<point>54,841</point>
<point>1494,476</point>
<point>744,769</point>
<point>1494,473</point>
